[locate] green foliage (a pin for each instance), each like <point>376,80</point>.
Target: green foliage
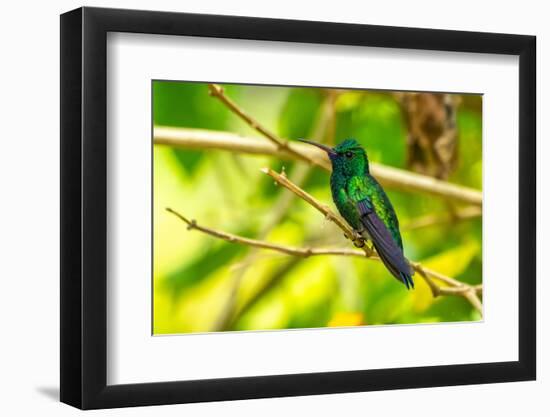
<point>195,274</point>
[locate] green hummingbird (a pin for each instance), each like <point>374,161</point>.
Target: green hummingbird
<point>364,204</point>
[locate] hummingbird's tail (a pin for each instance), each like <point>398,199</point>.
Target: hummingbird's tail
<point>389,251</point>
<point>407,280</point>
<point>398,270</point>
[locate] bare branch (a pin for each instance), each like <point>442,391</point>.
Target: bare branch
<point>389,177</point>
<point>289,250</point>
<point>474,300</point>
<point>281,144</point>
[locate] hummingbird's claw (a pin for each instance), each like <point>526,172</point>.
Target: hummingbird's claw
<point>359,243</point>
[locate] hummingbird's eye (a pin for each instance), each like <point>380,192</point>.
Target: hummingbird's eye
<point>349,154</point>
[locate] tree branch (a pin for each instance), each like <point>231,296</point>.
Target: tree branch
<point>389,177</point>
<point>329,214</point>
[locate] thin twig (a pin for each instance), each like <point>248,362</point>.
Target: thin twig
<point>466,291</point>
<point>328,213</point>
<point>479,289</point>
<point>281,144</point>
<point>388,176</point>
<point>289,250</point>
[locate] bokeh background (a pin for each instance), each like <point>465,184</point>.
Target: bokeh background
<point>203,284</point>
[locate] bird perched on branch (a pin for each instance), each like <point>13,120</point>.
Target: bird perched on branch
<point>362,201</point>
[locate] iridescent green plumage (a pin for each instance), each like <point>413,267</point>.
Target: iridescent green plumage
<point>362,201</point>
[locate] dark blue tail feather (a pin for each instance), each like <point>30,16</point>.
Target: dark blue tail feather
<point>407,280</point>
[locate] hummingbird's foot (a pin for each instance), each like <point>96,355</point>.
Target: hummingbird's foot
<point>357,239</point>
<point>359,243</point>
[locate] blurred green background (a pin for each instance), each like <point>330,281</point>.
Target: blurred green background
<point>203,284</point>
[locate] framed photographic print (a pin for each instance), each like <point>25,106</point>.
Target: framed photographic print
<point>257,208</point>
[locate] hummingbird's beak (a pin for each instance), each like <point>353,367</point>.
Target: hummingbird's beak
<point>326,148</point>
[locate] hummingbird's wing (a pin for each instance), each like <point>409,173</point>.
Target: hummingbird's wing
<point>390,253</point>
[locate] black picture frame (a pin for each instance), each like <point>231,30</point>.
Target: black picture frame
<point>84,207</point>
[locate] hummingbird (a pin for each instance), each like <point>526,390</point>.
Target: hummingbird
<point>364,204</point>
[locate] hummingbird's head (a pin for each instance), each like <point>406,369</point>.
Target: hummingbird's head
<point>347,158</point>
